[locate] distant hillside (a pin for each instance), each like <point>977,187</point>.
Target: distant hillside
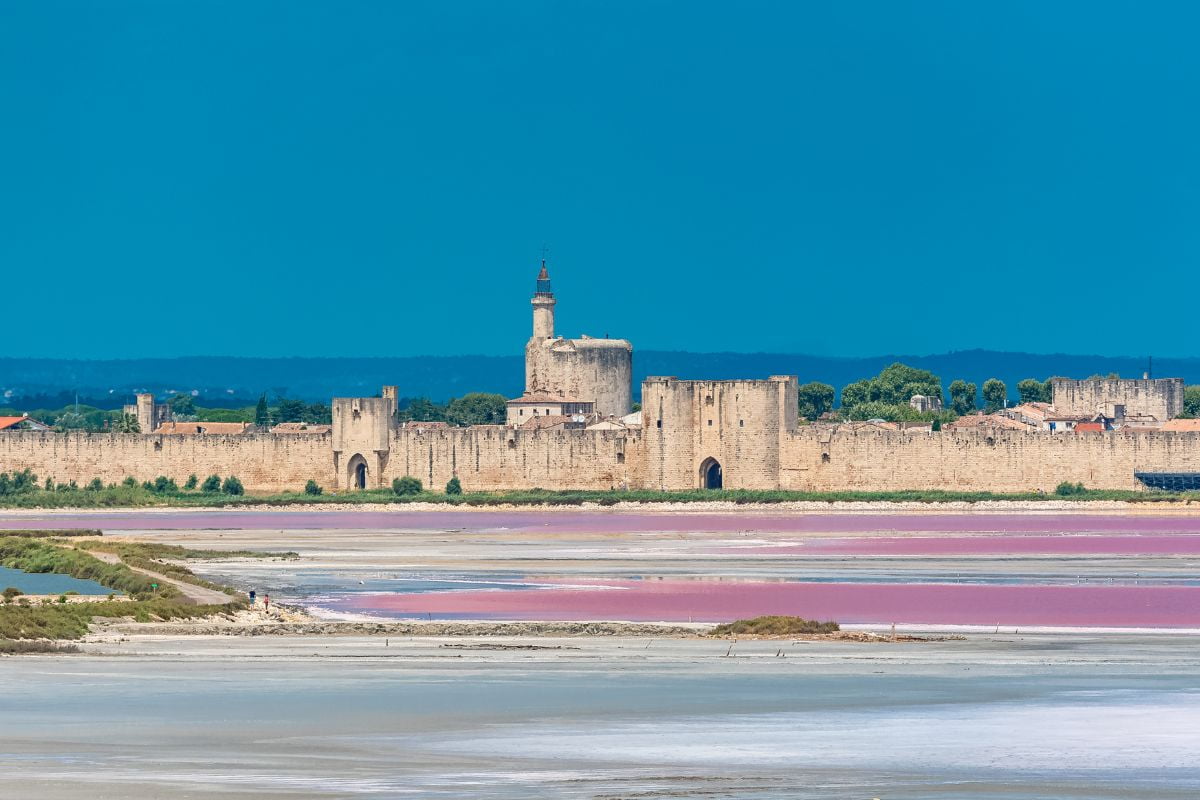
<point>223,380</point>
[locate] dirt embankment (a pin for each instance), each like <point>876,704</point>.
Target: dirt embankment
<point>293,622</point>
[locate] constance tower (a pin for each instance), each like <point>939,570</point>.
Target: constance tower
<point>575,371</point>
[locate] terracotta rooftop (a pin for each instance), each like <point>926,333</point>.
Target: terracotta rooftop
<point>545,397</point>
<point>987,421</point>
<point>301,427</point>
<point>182,428</point>
<point>545,421</point>
<point>1181,425</point>
<point>11,422</point>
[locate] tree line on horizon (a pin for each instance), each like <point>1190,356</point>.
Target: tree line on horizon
<point>885,396</point>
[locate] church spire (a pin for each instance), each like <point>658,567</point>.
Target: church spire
<point>543,280</point>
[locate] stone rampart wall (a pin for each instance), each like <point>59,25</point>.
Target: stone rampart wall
<point>974,460</point>
<point>263,462</point>
<point>496,458</point>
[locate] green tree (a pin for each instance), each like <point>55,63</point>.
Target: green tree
<point>422,409</point>
<point>191,482</point>
<point>318,414</point>
<point>1191,401</point>
<point>962,397</point>
<point>262,414</point>
<point>232,486</point>
<point>899,382</point>
<point>290,410</point>
<point>1031,390</point>
<point>312,487</point>
<point>815,399</point>
<point>127,424</point>
<point>894,385</point>
<point>182,405</point>
<point>995,394</point>
<point>95,485</point>
<point>477,408</point>
<point>454,486</point>
<point>406,486</point>
<point>211,485</point>
<point>856,393</point>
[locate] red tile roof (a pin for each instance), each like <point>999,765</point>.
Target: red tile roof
<point>204,427</point>
<point>12,422</point>
<point>544,397</point>
<point>1181,425</point>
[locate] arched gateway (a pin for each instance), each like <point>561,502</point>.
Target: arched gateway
<point>357,472</point>
<point>710,474</point>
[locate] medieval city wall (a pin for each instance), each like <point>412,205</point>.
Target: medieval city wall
<point>823,459</point>
<point>263,462</point>
<point>493,457</point>
<point>816,458</point>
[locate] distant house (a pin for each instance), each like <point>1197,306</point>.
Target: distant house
<point>541,404</point>
<point>208,428</point>
<point>417,425</point>
<point>1179,425</point>
<point>552,422</point>
<point>995,421</point>
<point>301,427</point>
<point>924,403</point>
<point>1034,414</point>
<point>22,423</point>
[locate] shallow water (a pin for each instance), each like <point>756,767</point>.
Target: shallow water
<point>48,583</point>
<point>995,717</point>
<point>1010,717</point>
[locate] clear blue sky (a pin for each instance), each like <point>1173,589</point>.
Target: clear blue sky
<point>378,178</point>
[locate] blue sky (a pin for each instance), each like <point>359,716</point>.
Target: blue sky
<point>379,178</point>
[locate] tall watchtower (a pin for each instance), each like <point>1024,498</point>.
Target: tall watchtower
<point>583,370</point>
<point>543,306</point>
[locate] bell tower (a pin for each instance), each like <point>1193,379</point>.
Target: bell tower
<point>543,306</point>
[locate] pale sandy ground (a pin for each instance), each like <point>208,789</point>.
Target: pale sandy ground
<point>379,718</point>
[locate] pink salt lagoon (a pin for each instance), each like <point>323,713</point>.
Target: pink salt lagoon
<point>984,544</point>
<point>711,601</point>
<point>602,521</point>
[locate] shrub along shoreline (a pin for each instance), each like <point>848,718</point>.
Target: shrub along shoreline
<point>135,498</point>
<point>43,552</point>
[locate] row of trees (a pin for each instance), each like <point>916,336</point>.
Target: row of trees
<point>476,408</point>
<point>887,396</point>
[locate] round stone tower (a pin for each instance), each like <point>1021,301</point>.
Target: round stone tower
<point>587,370</point>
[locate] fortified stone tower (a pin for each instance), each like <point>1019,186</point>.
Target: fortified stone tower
<point>716,434</point>
<point>585,370</point>
<point>149,415</point>
<point>362,439</point>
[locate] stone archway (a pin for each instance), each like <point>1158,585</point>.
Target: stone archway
<point>710,474</point>
<point>357,474</point>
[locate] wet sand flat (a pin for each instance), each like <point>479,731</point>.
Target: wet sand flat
<point>1028,716</point>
